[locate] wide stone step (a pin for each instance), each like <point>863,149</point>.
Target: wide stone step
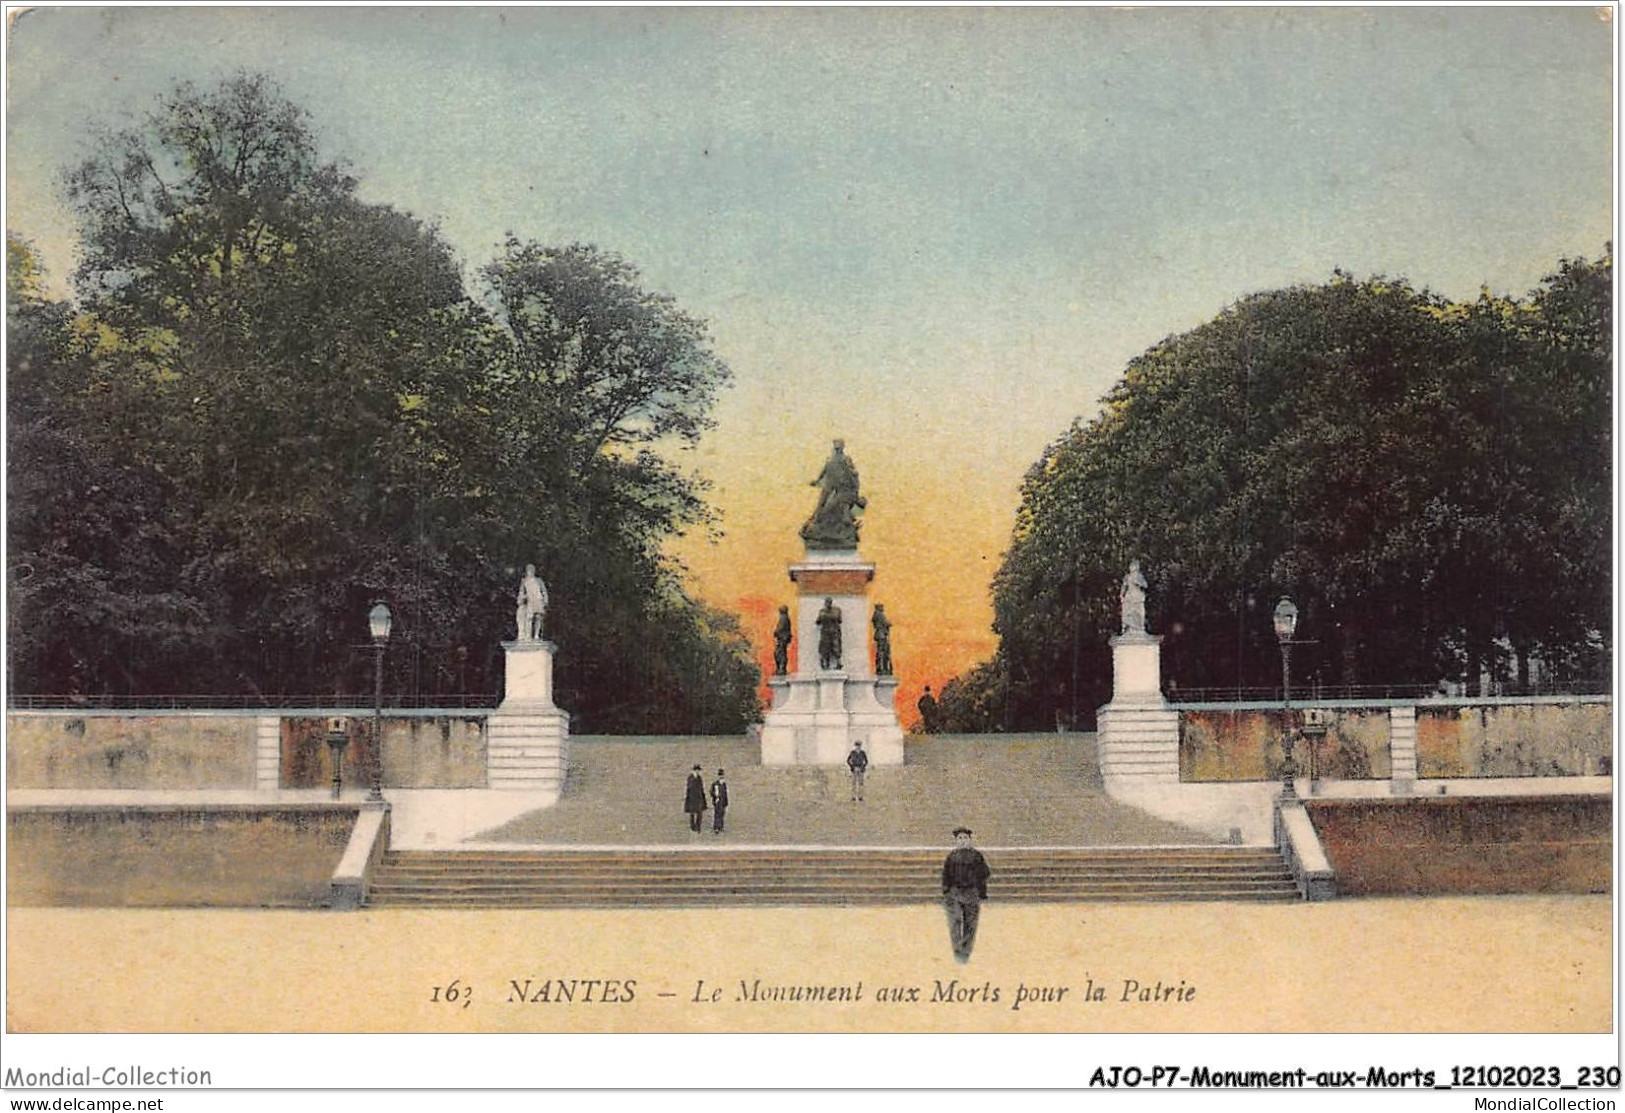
<point>779,859</point>
<point>1004,869</point>
<point>553,900</point>
<point>832,889</point>
<point>1004,884</point>
<point>695,877</point>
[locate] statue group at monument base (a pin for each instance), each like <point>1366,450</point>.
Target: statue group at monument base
<point>818,712</point>
<point>815,719</point>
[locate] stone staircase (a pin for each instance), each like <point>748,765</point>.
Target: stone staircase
<point>564,878</point>
<point>1138,744</point>
<point>528,748</point>
<point>1012,790</point>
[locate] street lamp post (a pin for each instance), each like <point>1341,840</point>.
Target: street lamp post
<point>1286,623</point>
<point>378,619</point>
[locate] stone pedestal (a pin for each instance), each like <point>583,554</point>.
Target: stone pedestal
<point>1136,668</point>
<point>817,714</point>
<point>528,736</point>
<point>1138,733</point>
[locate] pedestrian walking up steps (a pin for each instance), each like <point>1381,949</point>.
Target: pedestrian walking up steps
<point>786,876</point>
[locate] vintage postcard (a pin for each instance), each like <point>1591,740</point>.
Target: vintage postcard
<point>810,523</point>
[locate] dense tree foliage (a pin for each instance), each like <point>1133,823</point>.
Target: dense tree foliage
<point>272,402</point>
<point>1429,482</point>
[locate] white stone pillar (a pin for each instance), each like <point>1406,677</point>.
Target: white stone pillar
<point>527,737</point>
<point>1402,749</point>
<point>529,675</point>
<point>1138,733</point>
<point>268,752</point>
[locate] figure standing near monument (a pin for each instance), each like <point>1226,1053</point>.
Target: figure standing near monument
<point>782,633</point>
<point>694,799</point>
<point>834,524</point>
<point>1132,598</point>
<point>882,628</point>
<point>719,801</point>
<point>532,606</point>
<point>964,888</point>
<point>858,762</point>
<point>928,711</point>
<point>829,635</point>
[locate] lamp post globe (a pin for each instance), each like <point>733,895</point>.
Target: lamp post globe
<point>1286,620</point>
<point>379,621</point>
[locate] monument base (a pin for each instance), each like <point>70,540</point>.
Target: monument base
<point>1137,668</point>
<point>1137,737</point>
<point>527,743</point>
<point>815,719</point>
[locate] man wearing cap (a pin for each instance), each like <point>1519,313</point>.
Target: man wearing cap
<point>964,888</point>
<point>719,801</point>
<point>858,762</point>
<point>694,799</point>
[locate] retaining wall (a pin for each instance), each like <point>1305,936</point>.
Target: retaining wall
<point>1480,844</point>
<point>278,748</point>
<point>154,855</point>
<point>146,751</point>
<point>1534,736</point>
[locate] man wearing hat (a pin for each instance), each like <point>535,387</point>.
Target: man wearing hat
<point>694,799</point>
<point>719,801</point>
<point>964,888</point>
<point>858,762</point>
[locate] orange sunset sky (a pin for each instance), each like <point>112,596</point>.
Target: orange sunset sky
<point>937,233</point>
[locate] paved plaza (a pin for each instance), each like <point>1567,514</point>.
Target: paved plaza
<point>1445,964</point>
<point>1013,790</point>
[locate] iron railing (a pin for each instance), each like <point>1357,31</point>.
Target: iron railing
<point>1311,693</point>
<point>174,702</point>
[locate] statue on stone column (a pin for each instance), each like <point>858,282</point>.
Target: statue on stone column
<point>532,606</point>
<point>834,523</point>
<point>882,628</point>
<point>1133,600</point>
<point>829,636</point>
<point>781,643</point>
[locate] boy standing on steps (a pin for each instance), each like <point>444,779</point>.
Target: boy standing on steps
<point>858,762</point>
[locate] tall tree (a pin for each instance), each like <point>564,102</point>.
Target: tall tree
<point>298,386</point>
<point>1426,479</point>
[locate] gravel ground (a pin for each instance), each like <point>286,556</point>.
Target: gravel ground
<point>1446,964</point>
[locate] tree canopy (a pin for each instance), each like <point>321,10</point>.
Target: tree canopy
<point>271,402</point>
<point>1429,481</point>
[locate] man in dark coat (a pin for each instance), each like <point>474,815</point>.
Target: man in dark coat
<point>928,711</point>
<point>719,801</point>
<point>964,888</point>
<point>858,762</point>
<point>694,799</point>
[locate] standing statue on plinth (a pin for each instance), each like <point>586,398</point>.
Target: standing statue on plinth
<point>829,636</point>
<point>882,628</point>
<point>834,523</point>
<point>781,643</point>
<point>1133,600</point>
<point>531,606</point>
